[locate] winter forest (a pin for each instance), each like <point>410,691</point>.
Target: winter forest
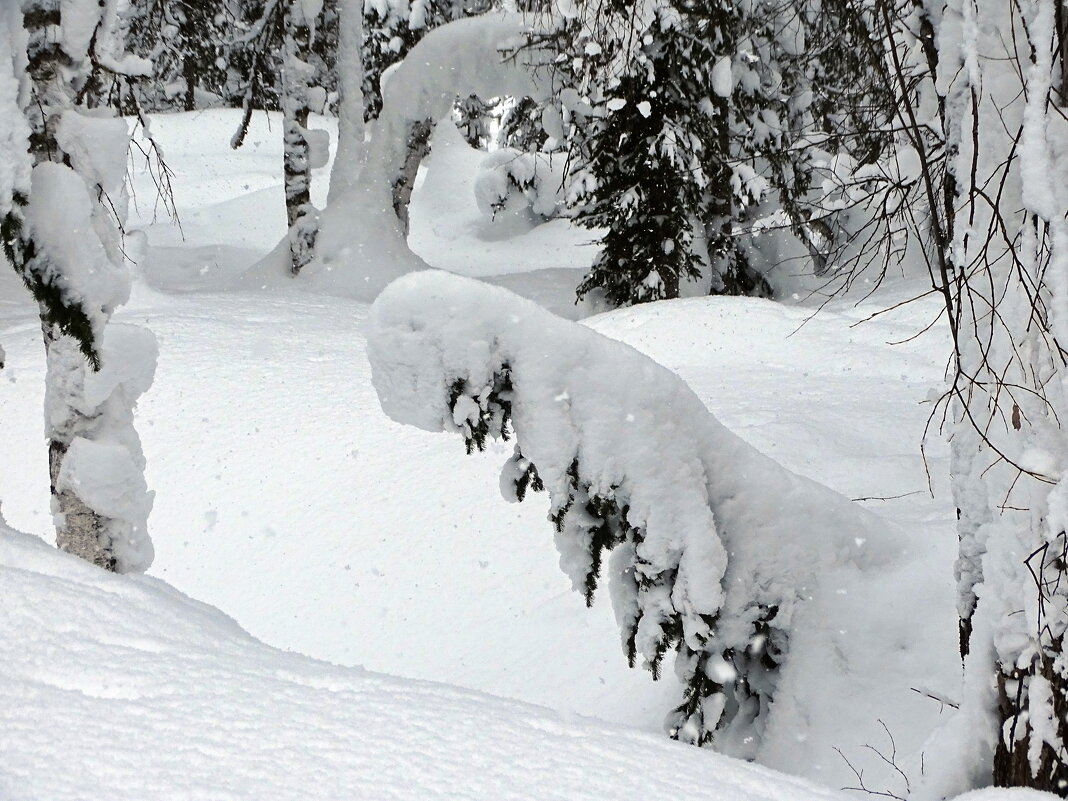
<point>748,320</point>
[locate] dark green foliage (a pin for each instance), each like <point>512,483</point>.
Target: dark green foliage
<point>650,160</point>
<point>528,479</point>
<point>495,410</point>
<point>654,166</point>
<point>521,126</point>
<point>744,681</point>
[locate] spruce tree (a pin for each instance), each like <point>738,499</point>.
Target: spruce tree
<point>655,162</point>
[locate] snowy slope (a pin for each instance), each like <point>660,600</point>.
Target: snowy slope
<point>122,688</point>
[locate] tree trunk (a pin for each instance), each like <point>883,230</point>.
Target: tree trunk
<point>296,72</point>
<point>418,149</point>
<point>1012,762</point>
<point>54,78</point>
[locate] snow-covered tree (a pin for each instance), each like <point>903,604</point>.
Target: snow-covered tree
<point>679,108</point>
<point>304,149</point>
<point>468,56</point>
<point>62,239</point>
<point>1005,284</point>
<point>669,510</point>
<point>472,114</point>
<point>349,154</point>
<point>391,29</point>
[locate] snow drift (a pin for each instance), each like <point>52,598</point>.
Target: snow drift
<point>120,687</point>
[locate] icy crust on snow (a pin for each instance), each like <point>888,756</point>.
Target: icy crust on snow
<point>93,410</point>
<point>139,692</point>
<point>732,553</point>
<point>362,245</point>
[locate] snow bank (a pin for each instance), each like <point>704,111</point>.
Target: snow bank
<point>123,688</point>
<point>719,552</point>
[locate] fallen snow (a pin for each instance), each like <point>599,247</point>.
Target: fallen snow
<point>123,688</point>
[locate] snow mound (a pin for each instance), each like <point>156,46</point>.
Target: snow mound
<point>634,462</point>
<point>137,692</point>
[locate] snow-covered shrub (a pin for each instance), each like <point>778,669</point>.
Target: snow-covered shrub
<point>715,549</point>
<point>512,182</point>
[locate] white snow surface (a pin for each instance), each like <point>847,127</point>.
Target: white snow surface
<point>138,691</point>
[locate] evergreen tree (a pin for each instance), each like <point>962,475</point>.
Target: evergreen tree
<point>472,114</point>
<point>655,162</point>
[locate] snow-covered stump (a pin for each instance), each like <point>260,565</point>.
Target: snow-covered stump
<point>715,549</point>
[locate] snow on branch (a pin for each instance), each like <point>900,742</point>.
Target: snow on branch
<point>715,548</point>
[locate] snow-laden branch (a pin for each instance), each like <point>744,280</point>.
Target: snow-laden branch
<point>716,548</point>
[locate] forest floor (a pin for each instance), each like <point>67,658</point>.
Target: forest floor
<point>287,500</point>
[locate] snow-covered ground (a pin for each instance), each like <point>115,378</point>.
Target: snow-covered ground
<point>286,499</point>
<point>122,688</point>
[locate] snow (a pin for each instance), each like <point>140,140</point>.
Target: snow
<point>97,147</point>
<point>184,704</point>
<point>812,556</point>
<point>722,78</point>
<point>286,498</point>
<point>361,246</point>
<point>14,131</point>
<point>92,411</point>
<point>61,215</point>
<point>518,184</point>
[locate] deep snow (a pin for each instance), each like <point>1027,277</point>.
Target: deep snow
<point>285,498</point>
<point>122,688</point>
